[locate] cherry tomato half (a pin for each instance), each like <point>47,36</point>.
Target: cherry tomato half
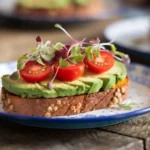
<point>71,72</point>
<point>34,72</point>
<point>102,64</point>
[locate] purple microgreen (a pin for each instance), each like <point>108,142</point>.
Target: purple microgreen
<point>38,39</point>
<point>60,27</point>
<point>63,63</point>
<point>61,53</point>
<point>52,61</point>
<point>50,86</point>
<point>126,59</point>
<point>97,41</point>
<point>89,53</point>
<point>73,39</point>
<point>15,76</point>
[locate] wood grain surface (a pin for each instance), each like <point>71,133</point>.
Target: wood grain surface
<point>17,137</point>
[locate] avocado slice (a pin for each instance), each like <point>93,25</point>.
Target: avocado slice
<point>24,89</point>
<point>60,87</point>
<point>94,83</point>
<point>108,82</point>
<point>81,88</point>
<point>44,4</point>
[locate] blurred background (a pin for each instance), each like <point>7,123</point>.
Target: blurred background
<point>125,21</point>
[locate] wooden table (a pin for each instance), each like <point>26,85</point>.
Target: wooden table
<point>131,135</point>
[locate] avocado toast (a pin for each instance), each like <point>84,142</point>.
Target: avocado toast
<point>59,9</point>
<point>59,80</point>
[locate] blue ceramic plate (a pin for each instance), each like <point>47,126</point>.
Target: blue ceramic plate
<point>131,36</point>
<point>138,96</point>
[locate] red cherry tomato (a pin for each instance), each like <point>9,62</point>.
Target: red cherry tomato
<point>71,72</point>
<point>34,72</point>
<point>102,64</point>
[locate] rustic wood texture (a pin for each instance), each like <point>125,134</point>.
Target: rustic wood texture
<point>17,137</point>
<point>148,143</point>
<point>138,127</point>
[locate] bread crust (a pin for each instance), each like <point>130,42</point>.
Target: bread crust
<point>63,106</point>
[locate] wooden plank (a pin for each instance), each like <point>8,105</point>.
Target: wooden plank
<point>138,127</point>
<point>148,144</point>
<point>17,137</point>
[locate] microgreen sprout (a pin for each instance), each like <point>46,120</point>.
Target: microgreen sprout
<point>41,53</point>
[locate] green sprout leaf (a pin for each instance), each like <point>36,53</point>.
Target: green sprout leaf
<point>58,46</point>
<point>75,51</point>
<point>76,55</point>
<point>113,48</point>
<point>33,50</point>
<point>77,59</point>
<point>63,63</point>
<point>97,53</point>
<point>126,106</point>
<point>58,26</point>
<point>22,58</point>
<point>39,60</point>
<point>96,50</point>
<point>20,65</point>
<point>47,55</point>
<point>120,54</point>
<point>15,76</point>
<point>89,53</point>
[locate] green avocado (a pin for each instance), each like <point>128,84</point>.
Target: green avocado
<point>24,89</point>
<point>108,82</point>
<point>88,83</point>
<point>94,83</point>
<point>49,4</point>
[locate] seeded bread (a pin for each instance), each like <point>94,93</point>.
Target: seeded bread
<point>63,106</point>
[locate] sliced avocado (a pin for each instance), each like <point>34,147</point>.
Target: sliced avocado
<point>44,4</point>
<point>121,72</point>
<point>117,73</point>
<point>81,88</point>
<point>108,82</point>
<point>24,89</point>
<point>95,84</point>
<point>81,2</point>
<point>61,88</point>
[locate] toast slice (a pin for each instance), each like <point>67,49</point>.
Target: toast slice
<point>64,106</point>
